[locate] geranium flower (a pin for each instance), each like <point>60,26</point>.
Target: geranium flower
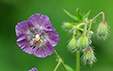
<point>33,69</point>
<point>36,36</point>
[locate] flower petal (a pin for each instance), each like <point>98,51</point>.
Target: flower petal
<point>24,44</point>
<point>33,69</point>
<point>40,20</point>
<point>45,50</point>
<point>51,35</point>
<point>23,27</point>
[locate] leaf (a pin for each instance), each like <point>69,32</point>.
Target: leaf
<point>78,13</point>
<point>75,23</point>
<point>68,68</point>
<point>72,16</point>
<point>86,15</point>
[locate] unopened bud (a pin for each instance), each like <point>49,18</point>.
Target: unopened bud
<point>78,43</point>
<point>68,25</point>
<point>72,43</point>
<point>82,42</point>
<point>89,56</point>
<point>102,29</point>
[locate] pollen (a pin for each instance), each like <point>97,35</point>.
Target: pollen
<point>38,42</point>
<point>38,38</point>
<point>41,40</point>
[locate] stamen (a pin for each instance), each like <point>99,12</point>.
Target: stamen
<point>36,40</point>
<point>41,40</point>
<point>33,46</point>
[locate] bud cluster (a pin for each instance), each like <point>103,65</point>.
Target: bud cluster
<point>81,35</point>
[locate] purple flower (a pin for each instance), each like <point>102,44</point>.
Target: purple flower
<point>36,36</point>
<point>33,69</point>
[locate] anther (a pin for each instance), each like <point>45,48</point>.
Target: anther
<point>33,46</point>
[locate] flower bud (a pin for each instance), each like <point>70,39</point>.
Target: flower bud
<point>89,55</point>
<point>68,25</point>
<point>102,29</point>
<point>72,43</point>
<point>78,43</point>
<point>82,42</point>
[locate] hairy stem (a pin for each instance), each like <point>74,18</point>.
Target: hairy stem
<point>89,28</point>
<point>84,33</point>
<point>79,25</point>
<point>99,15</point>
<point>59,61</point>
<point>78,61</point>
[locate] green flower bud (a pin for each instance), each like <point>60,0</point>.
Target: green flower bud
<point>102,29</point>
<point>89,56</point>
<point>78,43</point>
<point>68,25</point>
<point>72,44</point>
<point>84,42</point>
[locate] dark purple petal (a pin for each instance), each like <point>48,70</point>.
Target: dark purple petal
<point>53,36</point>
<point>40,20</point>
<point>23,27</point>
<point>45,50</point>
<point>24,44</point>
<point>33,69</point>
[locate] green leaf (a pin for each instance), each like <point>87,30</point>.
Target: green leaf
<point>86,15</point>
<point>69,68</point>
<point>72,16</point>
<point>78,13</point>
<point>74,23</point>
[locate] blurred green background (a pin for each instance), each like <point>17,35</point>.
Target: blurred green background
<point>12,58</point>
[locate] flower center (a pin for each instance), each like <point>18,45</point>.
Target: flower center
<point>36,40</point>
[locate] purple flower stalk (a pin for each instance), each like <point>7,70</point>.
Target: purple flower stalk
<point>36,36</point>
<point>33,69</point>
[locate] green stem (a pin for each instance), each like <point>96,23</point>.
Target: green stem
<point>60,61</point>
<point>57,66</point>
<point>64,66</point>
<point>78,61</point>
<point>56,54</point>
<point>78,27</point>
<point>99,15</point>
<point>81,24</point>
<point>84,32</point>
<point>89,28</point>
<point>74,33</point>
